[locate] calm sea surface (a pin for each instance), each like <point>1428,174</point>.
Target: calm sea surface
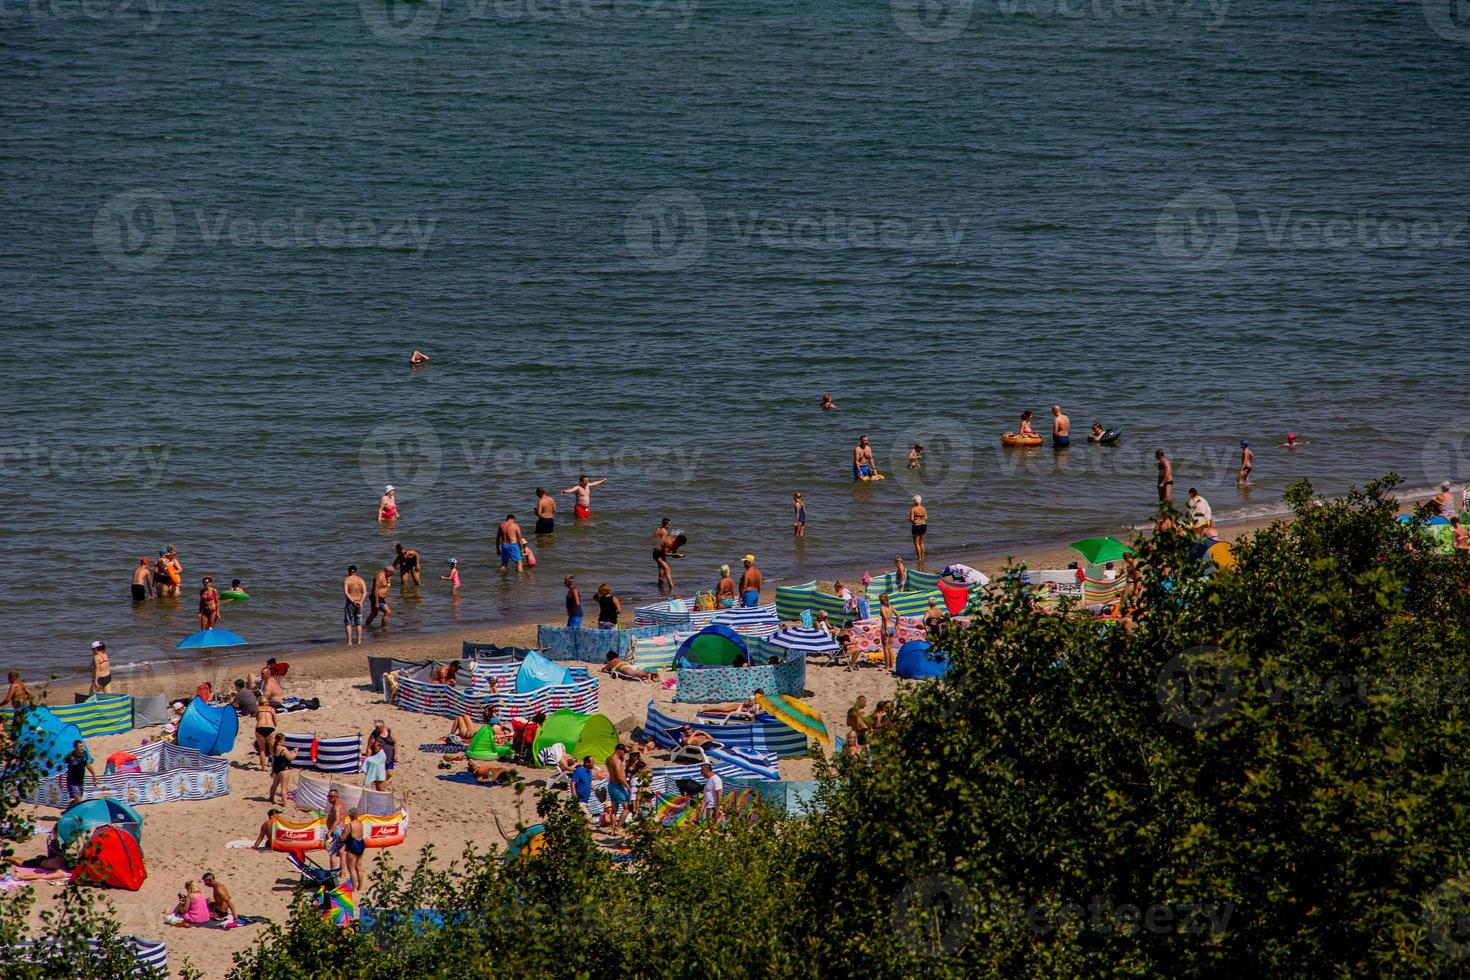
<point>640,239</point>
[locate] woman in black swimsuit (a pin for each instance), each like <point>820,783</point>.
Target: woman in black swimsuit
<point>281,759</point>
<point>608,608</point>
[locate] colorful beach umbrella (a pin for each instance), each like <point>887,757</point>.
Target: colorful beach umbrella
<point>210,640</point>
<point>340,905</point>
<point>797,714</point>
<point>1099,550</point>
<point>806,640</point>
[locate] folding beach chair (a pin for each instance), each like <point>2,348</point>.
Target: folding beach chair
<point>313,875</point>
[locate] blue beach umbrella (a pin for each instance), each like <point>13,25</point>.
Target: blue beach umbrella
<point>800,638</point>
<point>210,639</point>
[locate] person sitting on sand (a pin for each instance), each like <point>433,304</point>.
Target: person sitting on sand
<point>221,906</point>
<point>192,910</point>
<point>445,674</point>
<point>934,617</point>
<point>263,838</point>
<point>821,622</point>
<point>418,357</point>
<point>619,667</point>
<point>17,693</point>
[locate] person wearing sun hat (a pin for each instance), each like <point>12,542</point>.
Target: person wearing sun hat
<point>750,583</point>
<point>453,577</point>
<point>388,505</point>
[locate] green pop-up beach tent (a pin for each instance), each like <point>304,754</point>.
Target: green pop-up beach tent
<point>582,735</point>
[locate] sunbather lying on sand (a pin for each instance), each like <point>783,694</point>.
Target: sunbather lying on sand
<point>490,772</point>
<point>621,668</point>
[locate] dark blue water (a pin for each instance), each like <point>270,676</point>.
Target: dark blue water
<point>640,239</point>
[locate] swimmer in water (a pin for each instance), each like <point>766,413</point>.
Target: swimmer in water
<point>418,357</point>
<point>388,505</point>
<point>453,577</point>
<point>863,465</point>
<point>1096,434</point>
<point>1061,428</point>
<point>1244,476</point>
<point>916,456</point>
<point>1025,430</point>
<point>798,520</point>
<point>1290,442</point>
<point>828,405</point>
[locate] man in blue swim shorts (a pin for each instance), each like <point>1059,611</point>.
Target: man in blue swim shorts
<point>750,583</point>
<point>508,540</point>
<point>617,788</point>
<point>1061,429</point>
<point>864,467</point>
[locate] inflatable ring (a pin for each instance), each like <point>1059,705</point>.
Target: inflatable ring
<point>1109,436</point>
<point>234,595</point>
<point>1011,439</point>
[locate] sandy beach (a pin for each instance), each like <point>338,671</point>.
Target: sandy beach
<point>183,840</point>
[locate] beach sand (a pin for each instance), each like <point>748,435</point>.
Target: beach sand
<point>183,840</point>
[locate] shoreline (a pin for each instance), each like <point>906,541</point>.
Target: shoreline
<point>320,659</point>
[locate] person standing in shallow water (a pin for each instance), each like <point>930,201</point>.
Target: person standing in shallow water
<point>1166,477</point>
<point>1061,428</point>
<point>545,512</point>
<point>918,527</point>
<point>798,521</point>
<point>142,581</point>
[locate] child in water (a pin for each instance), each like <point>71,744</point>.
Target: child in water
<point>453,577</point>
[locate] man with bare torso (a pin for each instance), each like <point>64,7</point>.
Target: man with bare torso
<point>583,491</point>
<point>378,597</point>
<point>750,583</point>
<point>354,591</point>
<point>863,465</point>
<point>1166,477</point>
<point>545,512</point>
<point>508,541</point>
<point>1061,428</point>
<point>142,581</point>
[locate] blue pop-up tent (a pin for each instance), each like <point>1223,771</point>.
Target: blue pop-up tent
<point>48,738</point>
<point>87,816</point>
<point>537,672</point>
<point>208,728</point>
<point>918,661</point>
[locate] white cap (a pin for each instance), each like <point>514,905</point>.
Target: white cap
<point>97,643</point>
<point>388,488</point>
